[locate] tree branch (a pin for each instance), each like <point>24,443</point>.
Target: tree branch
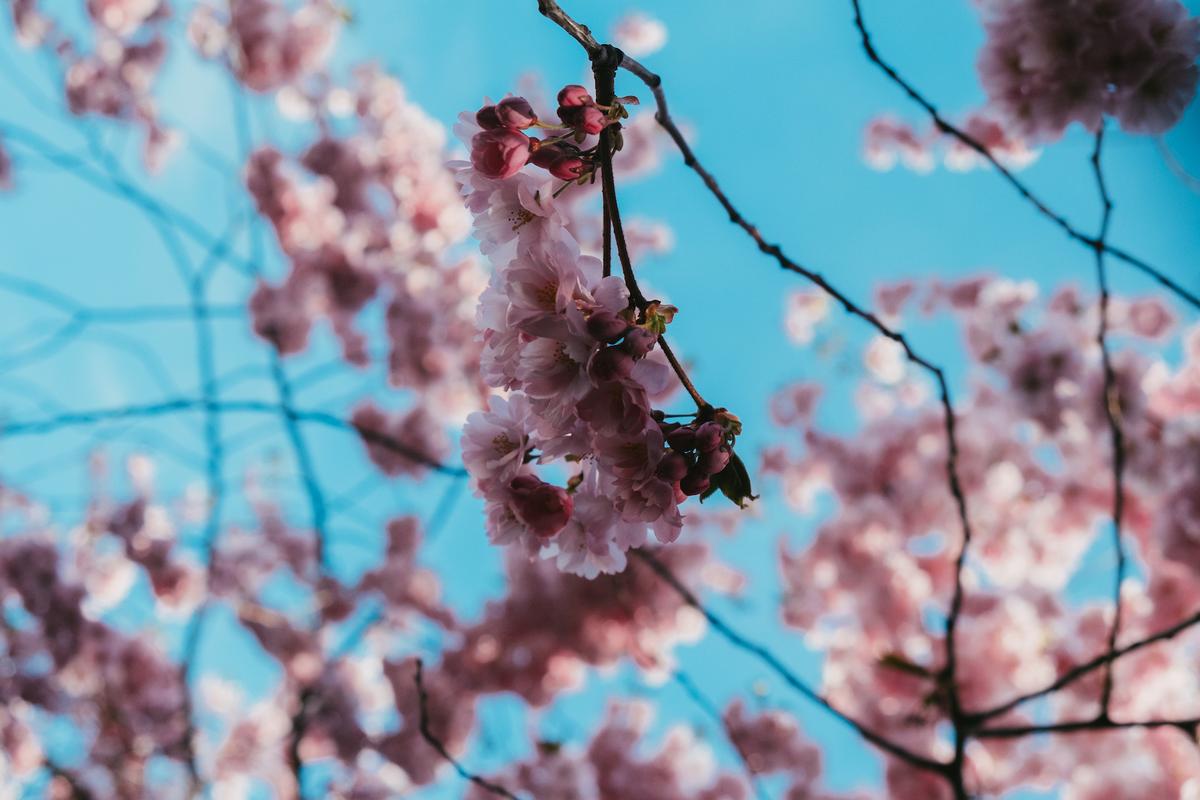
<point>773,662</point>
<point>944,125</point>
<point>1111,403</point>
<point>440,747</point>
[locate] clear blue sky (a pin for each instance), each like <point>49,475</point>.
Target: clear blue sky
<point>777,94</point>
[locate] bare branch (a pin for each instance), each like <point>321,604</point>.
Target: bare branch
<point>1023,189</point>
<point>440,747</point>
<point>777,666</point>
<point>1080,670</point>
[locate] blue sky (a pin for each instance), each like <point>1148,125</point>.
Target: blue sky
<point>776,94</point>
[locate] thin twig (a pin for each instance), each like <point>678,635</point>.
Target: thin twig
<point>704,704</point>
<point>1188,726</point>
<point>777,666</point>
<point>185,404</point>
<point>1110,400</point>
<point>1083,669</point>
<point>440,747</point>
<point>1020,186</point>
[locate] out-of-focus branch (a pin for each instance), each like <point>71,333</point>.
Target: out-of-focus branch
<point>1080,670</point>
<point>776,665</point>
<point>185,404</point>
<point>706,705</point>
<point>124,190</point>
<point>1023,189</point>
<point>1188,726</point>
<point>438,745</point>
<point>1111,402</point>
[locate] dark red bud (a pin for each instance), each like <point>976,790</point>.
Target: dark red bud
<point>606,326</point>
<point>574,95</point>
<point>672,468</point>
<point>515,112</point>
<point>588,119</point>
<point>488,119</point>
<point>694,483</point>
<point>568,168</point>
<point>610,363</point>
<point>709,436</point>
<point>713,461</point>
<point>639,341</point>
<point>682,438</point>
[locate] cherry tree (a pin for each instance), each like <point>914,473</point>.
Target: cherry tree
<point>191,625</point>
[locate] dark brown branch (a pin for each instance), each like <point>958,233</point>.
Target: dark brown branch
<point>1111,402</point>
<point>777,666</point>
<point>704,704</point>
<point>605,60</point>
<point>440,747</point>
<point>1188,726</point>
<point>183,405</point>
<point>1080,670</point>
<point>945,126</point>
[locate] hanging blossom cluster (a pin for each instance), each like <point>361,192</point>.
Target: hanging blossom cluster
<point>888,141</point>
<point>1028,454</point>
<point>1046,64</point>
<point>116,78</point>
<point>577,359</point>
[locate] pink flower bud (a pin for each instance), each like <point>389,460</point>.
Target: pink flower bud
<point>515,112</point>
<point>574,95</point>
<point>561,162</point>
<point>638,342</point>
<point>488,119</point>
<point>499,153</point>
<point>682,438</point>
<point>568,168</point>
<point>709,436</point>
<point>606,326</point>
<point>610,363</point>
<point>713,461</point>
<point>545,509</point>
<point>672,467</point>
<point>587,119</point>
<point>694,483</point>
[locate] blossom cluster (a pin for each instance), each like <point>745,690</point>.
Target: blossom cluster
<point>1046,64</point>
<point>888,141</point>
<point>368,215</point>
<point>115,79</point>
<point>578,363</point>
<point>864,587</point>
<point>501,148</point>
<point>266,44</point>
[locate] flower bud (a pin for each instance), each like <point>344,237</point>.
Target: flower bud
<point>682,438</point>
<point>568,168</point>
<point>587,119</point>
<point>709,436</point>
<point>574,95</point>
<point>713,461</point>
<point>499,153</point>
<point>638,342</point>
<point>488,119</point>
<point>543,508</point>
<point>672,468</point>
<point>515,112</point>
<point>694,483</point>
<point>606,326</point>
<point>610,363</point>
